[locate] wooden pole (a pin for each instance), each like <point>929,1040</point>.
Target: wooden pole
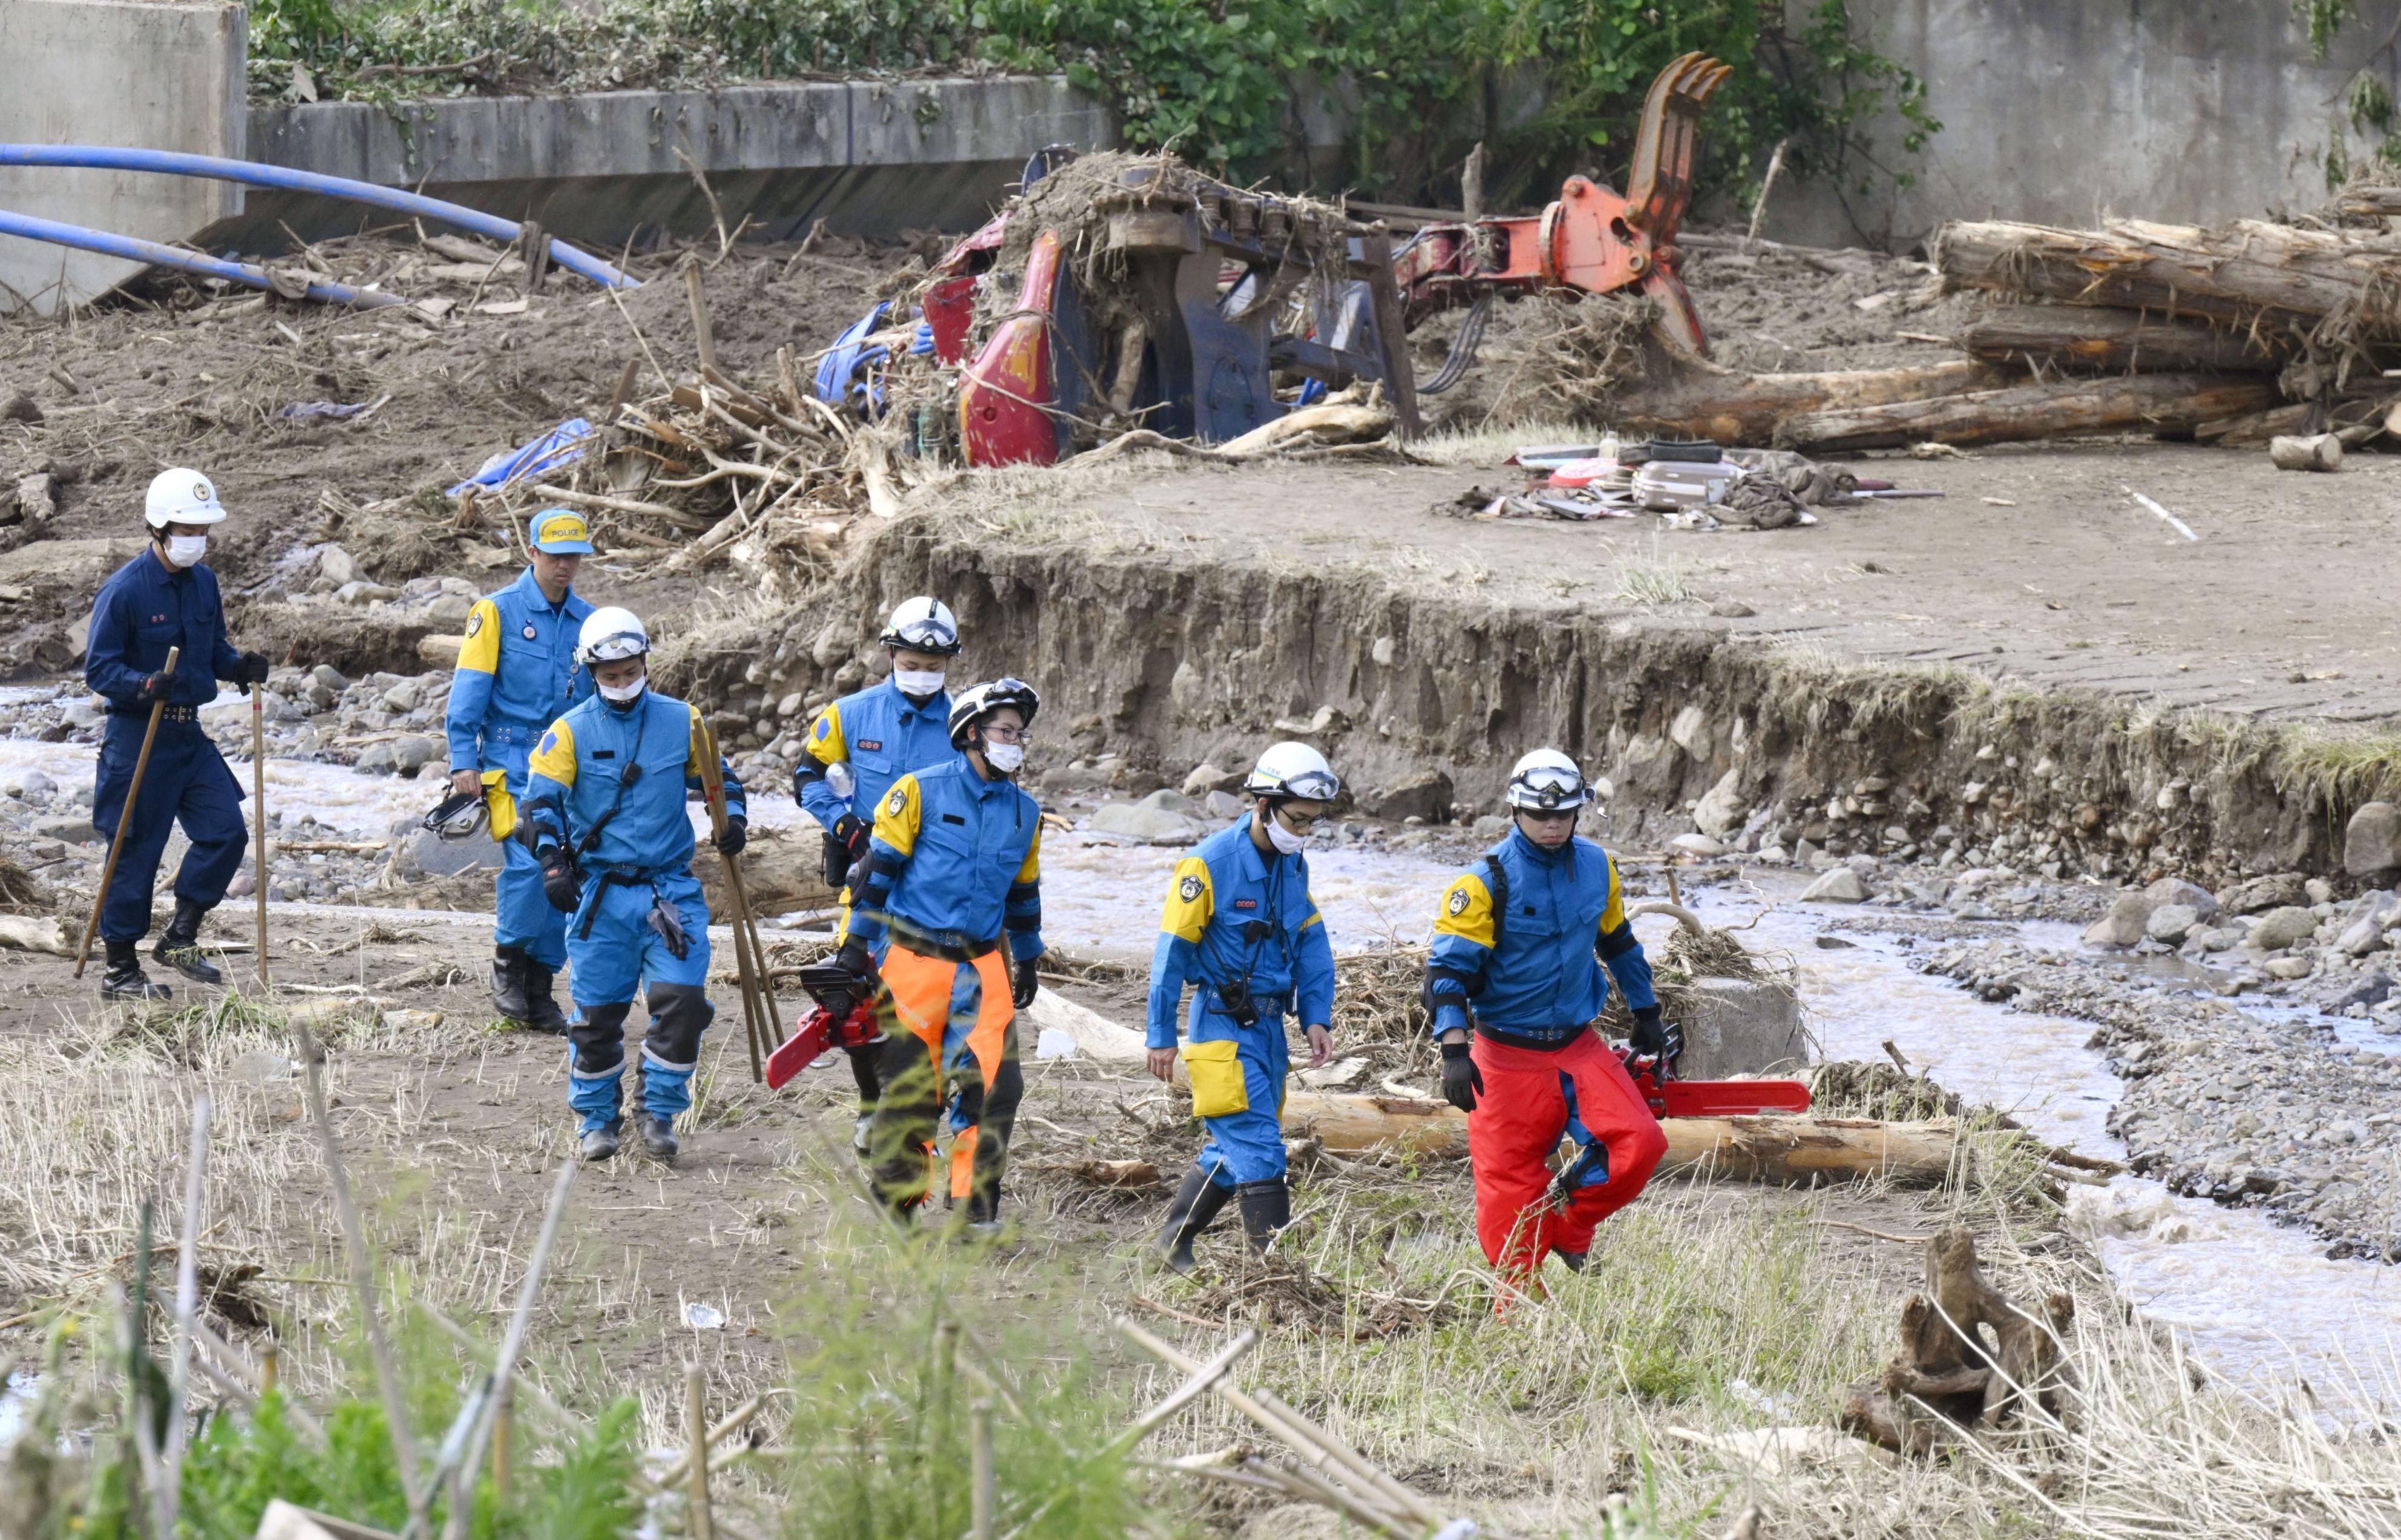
<point>271,1366</point>
<point>503,1425</point>
<point>125,814</point>
<point>696,1417</point>
<point>986,1499</point>
<point>259,819</point>
<point>746,968</point>
<point>702,342</point>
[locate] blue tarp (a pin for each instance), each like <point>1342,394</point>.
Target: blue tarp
<point>561,446</point>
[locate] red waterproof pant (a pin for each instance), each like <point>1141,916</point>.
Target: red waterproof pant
<point>1532,1099</point>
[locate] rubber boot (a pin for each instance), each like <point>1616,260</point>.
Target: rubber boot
<point>179,944</point>
<point>1571,1261</point>
<point>125,980</point>
<point>1197,1203</point>
<point>1267,1208</point>
<point>859,1140</point>
<point>599,1144</point>
<point>509,965</point>
<point>658,1135</point>
<point>542,1014</point>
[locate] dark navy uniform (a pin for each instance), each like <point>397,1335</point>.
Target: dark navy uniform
<point>144,608</point>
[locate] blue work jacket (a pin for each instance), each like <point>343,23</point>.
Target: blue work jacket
<point>579,773</point>
<point>883,736</point>
<point>144,608</point>
<point>1218,895</point>
<point>956,859</point>
<point>1566,918</point>
<point>516,674</point>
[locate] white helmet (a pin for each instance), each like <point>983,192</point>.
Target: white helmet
<point>923,625</point>
<point>970,706</point>
<point>1546,781</point>
<point>609,635</point>
<point>180,497</point>
<point>1293,770</point>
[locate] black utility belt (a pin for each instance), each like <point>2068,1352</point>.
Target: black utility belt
<point>927,947</point>
<point>1519,1039</point>
<point>166,713</point>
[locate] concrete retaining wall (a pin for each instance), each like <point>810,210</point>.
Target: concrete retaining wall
<point>106,72</point>
<point>2067,111</point>
<point>871,157</point>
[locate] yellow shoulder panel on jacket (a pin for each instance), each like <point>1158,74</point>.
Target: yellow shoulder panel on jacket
<point>827,745</point>
<point>554,757</point>
<point>1191,898</point>
<point>1032,870</point>
<point>896,816</point>
<point>1612,914</point>
<point>480,651</point>
<point>1466,910</point>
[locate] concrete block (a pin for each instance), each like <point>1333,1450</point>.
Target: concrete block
<point>113,73</point>
<point>1740,1026</point>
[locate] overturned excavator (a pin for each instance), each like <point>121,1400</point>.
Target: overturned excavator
<point>1133,290</point>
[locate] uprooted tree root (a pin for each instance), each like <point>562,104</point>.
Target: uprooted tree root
<point>1951,1382</point>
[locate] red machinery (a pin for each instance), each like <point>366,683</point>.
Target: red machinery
<point>1240,295</point>
<point>1592,239</point>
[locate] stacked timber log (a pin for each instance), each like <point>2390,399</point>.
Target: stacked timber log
<point>2228,335</point>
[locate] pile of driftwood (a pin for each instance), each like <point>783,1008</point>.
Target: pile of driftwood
<point>2231,334</point>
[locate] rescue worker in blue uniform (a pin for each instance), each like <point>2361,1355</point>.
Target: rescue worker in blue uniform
<point>1524,949</point>
<point>605,798</point>
<point>859,745</point>
<point>1241,927</point>
<point>165,597</point>
<point>517,673</point>
<point>955,867</point>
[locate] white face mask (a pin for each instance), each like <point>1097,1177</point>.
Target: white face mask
<point>1004,756</point>
<point>623,695</point>
<point>1284,840</point>
<point>187,550</point>
<point>919,683</point>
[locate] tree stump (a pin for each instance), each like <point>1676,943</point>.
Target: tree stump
<point>1971,1361</point>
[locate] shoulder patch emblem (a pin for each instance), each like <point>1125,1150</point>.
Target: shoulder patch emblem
<point>1458,902</point>
<point>549,742</point>
<point>825,729</point>
<point>1189,888</point>
<point>897,800</point>
<point>475,623</point>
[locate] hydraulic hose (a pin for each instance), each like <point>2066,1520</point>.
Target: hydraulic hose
<point>135,250</point>
<point>398,200</point>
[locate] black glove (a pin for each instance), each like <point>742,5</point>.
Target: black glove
<point>1462,1082</point>
<point>1024,982</point>
<point>854,834</point>
<point>854,956</point>
<point>560,883</point>
<point>153,687</point>
<point>252,669</point>
<point>736,835</point>
<point>1650,1035</point>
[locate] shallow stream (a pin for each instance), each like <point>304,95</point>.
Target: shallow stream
<point>2259,1302</point>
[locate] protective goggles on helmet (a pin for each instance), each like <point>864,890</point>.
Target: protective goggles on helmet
<point>1309,786</point>
<point>1548,789</point>
<point>616,646</point>
<point>924,634</point>
<point>460,816</point>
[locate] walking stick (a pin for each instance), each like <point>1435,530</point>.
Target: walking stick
<point>258,818</point>
<point>712,787</point>
<point>125,814</point>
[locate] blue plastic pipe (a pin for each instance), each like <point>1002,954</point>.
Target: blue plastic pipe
<point>398,200</point>
<point>134,250</point>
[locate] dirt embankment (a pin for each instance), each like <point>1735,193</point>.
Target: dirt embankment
<point>1169,661</point>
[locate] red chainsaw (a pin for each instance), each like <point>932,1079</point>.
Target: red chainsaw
<point>1655,1076</point>
<point>841,1015</point>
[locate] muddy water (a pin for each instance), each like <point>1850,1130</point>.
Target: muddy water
<point>2219,1276</point>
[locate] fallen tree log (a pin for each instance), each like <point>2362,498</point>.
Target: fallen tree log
<point>2178,403</point>
<point>2250,271</point>
<point>1687,397</point>
<point>2082,338</point>
<point>1796,1150</point>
